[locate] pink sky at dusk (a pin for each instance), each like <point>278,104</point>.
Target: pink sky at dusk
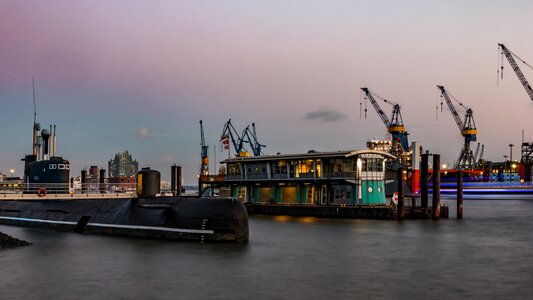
<point>105,69</point>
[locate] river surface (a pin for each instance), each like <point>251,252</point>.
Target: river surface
<point>487,255</point>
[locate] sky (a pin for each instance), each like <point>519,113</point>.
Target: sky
<point>139,75</point>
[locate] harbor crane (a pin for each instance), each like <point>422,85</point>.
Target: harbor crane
<point>252,140</point>
<point>395,125</point>
<point>204,168</point>
<point>509,55</point>
<point>468,130</point>
<point>229,132</point>
<point>247,136</point>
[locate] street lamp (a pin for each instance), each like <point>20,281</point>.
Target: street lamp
<point>12,171</point>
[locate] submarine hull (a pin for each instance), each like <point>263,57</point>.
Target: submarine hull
<point>174,218</point>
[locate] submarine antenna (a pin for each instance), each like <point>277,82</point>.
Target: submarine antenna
<point>34,119</point>
<point>34,104</point>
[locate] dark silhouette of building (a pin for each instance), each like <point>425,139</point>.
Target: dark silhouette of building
<point>123,165</point>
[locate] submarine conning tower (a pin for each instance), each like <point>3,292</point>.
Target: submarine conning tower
<point>43,168</point>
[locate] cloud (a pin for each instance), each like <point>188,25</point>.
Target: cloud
<point>325,115</point>
<point>143,133</point>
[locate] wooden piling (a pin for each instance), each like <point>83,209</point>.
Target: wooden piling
<point>424,183</point>
<point>83,181</point>
<point>173,179</point>
<point>401,211</point>
<point>102,187</point>
<point>178,180</point>
<point>436,187</point>
<point>460,195</point>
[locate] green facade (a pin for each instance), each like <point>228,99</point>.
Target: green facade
<point>373,192</point>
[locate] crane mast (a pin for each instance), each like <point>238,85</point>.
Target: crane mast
<point>204,168</point>
<point>509,55</point>
<point>395,125</point>
<point>468,131</point>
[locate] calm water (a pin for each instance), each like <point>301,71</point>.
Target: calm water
<point>488,255</point>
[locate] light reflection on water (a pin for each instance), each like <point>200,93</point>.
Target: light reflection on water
<point>486,255</point>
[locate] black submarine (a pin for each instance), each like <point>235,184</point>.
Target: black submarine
<point>145,216</point>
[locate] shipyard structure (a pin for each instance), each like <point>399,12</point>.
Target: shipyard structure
<point>342,178</point>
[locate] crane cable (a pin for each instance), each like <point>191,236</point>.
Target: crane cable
<point>520,59</point>
<point>501,64</point>
<point>458,102</point>
<point>360,105</point>
<point>383,99</point>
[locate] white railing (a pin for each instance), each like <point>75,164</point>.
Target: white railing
<point>17,189</point>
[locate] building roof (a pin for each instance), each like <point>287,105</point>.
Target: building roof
<point>309,155</point>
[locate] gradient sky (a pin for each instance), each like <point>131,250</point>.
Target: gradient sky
<point>139,75</point>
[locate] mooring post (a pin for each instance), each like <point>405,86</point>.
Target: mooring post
<point>173,180</point>
<point>401,212</point>
<point>460,195</point>
<point>101,178</point>
<point>178,181</point>
<point>83,181</point>
<point>436,187</point>
<point>424,184</point>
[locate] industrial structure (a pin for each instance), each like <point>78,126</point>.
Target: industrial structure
<point>395,126</point>
<point>527,147</point>
<point>230,134</point>
<point>466,160</point>
<point>204,167</point>
<point>249,136</point>
<point>509,55</point>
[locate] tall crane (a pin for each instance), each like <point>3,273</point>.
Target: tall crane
<point>509,55</point>
<point>204,168</point>
<point>468,130</point>
<point>251,135</point>
<point>394,126</point>
<point>229,132</point>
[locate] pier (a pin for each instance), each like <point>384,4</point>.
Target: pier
<point>357,212</point>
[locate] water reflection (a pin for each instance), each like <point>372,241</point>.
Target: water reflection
<point>485,255</point>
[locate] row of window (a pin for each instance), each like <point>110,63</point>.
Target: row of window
<point>368,165</point>
<point>59,166</point>
<point>372,164</point>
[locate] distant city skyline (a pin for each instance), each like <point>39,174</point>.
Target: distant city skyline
<point>140,75</point>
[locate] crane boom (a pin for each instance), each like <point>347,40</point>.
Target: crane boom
<point>378,109</point>
<point>451,107</point>
<point>509,55</point>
